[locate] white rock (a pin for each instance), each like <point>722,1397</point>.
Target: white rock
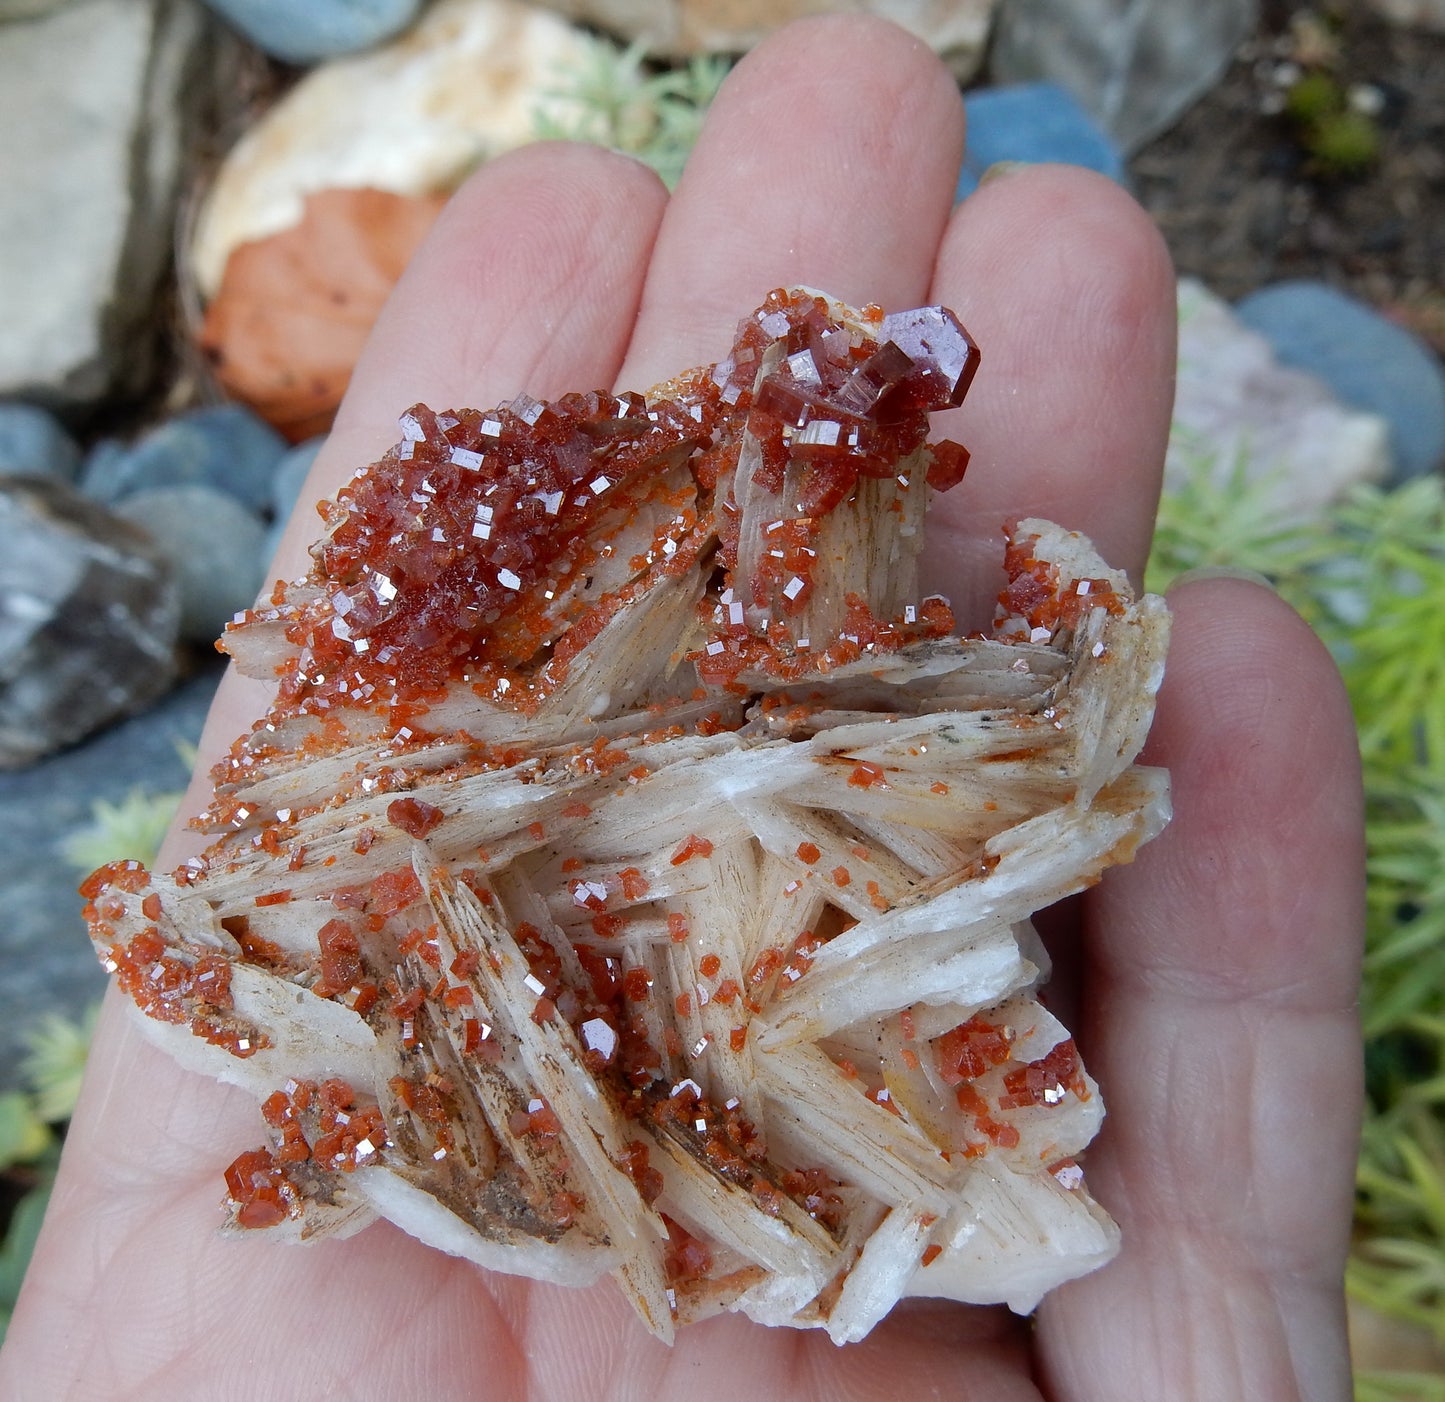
<point>956,29</point>
<point>1420,14</point>
<point>90,107</point>
<point>1134,65</point>
<point>28,9</point>
<point>412,118</point>
<point>1236,404</point>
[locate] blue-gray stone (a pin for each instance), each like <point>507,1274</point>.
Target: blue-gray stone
<point>286,493</point>
<point>290,474</point>
<point>226,447</point>
<point>33,444</point>
<point>1032,122</point>
<point>47,959</point>
<point>214,545</point>
<point>317,29</point>
<point>1369,362</point>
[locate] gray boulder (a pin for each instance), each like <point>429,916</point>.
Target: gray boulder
<point>214,546</point>
<point>91,105</point>
<point>88,618</point>
<point>32,443</point>
<point>1134,65</point>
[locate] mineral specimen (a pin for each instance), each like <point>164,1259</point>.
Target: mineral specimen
<point>633,876</point>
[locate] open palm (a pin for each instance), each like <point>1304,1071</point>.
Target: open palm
<point>1212,982</point>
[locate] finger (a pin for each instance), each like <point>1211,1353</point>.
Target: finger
<point>829,159</point>
<point>530,279</point>
<point>1221,983</point>
<point>1067,287</point>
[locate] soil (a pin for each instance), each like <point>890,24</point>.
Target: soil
<point>1242,199</point>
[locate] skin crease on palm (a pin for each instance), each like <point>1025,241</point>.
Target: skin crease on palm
<point>1212,982</point>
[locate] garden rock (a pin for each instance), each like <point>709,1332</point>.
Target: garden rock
<point>1369,362</point>
<point>286,493</point>
<point>412,118</point>
<point>1032,122</point>
<point>317,29</point>
<point>32,443</point>
<point>957,30</point>
<point>225,447</point>
<point>214,546</point>
<point>1135,65</point>
<point>294,309</point>
<point>1238,410</point>
<point>92,111</point>
<point>28,9</point>
<point>290,476</point>
<point>88,618</point>
<point>48,961</point>
<point>1416,14</point>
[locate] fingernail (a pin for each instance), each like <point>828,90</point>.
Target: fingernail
<point>1223,572</point>
<point>999,169</point>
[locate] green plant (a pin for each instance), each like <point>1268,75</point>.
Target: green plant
<point>32,1117</point>
<point>24,1135</point>
<point>1344,143</point>
<point>1222,514</point>
<point>1399,1387</point>
<point>30,1135</point>
<point>132,828</point>
<point>1338,139</point>
<point>1314,95</point>
<point>614,100</point>
<point>55,1061</point>
<point>18,1246</point>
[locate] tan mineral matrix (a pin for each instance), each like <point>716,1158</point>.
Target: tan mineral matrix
<point>633,874</point>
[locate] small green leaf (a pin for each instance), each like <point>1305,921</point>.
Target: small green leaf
<point>55,1062</point>
<point>18,1247</point>
<point>129,830</point>
<point>24,1136</point>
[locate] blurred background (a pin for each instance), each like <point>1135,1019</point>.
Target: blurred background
<point>205,205</point>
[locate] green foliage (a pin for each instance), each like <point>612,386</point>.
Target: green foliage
<point>1221,515</point>
<point>1399,1387</point>
<point>29,1147</point>
<point>1339,140</point>
<point>24,1135</point>
<point>130,829</point>
<point>1314,95</point>
<point>1344,143</point>
<point>1370,576</point>
<point>55,1062</point>
<point>18,1246</point>
<point>613,100</point>
<point>1396,661</point>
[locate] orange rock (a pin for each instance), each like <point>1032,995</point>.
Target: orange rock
<point>294,309</point>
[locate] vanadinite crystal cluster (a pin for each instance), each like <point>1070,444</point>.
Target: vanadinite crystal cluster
<point>633,874</point>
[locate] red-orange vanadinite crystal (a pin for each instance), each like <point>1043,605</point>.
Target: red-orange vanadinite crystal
<point>443,559</point>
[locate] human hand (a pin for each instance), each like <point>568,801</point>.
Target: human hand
<point>1215,977</point>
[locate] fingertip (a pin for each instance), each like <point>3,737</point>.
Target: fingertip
<point>863,56</point>
<point>576,180</point>
<point>1067,287</point>
<point>1070,209</point>
<point>828,159</point>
